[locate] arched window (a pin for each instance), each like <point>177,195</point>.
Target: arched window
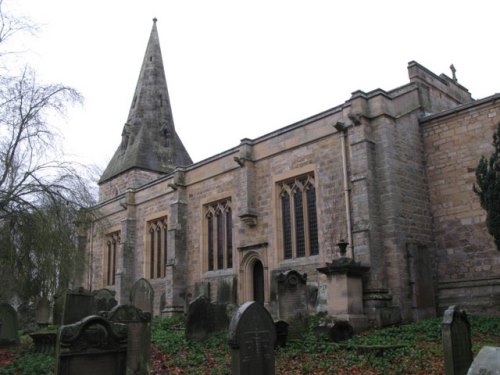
<point>111,250</point>
<point>299,225</point>
<point>156,248</point>
<point>219,236</point>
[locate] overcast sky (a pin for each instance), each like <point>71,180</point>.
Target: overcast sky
<point>241,69</point>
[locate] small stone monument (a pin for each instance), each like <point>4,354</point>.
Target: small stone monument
<point>104,299</point>
<point>487,362</point>
<point>9,326</point>
<point>92,346</point>
<point>78,304</point>
<point>252,337</point>
<point>139,336</point>
<point>42,312</point>
<point>457,344</point>
<point>142,295</point>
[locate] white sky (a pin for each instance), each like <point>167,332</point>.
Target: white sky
<point>241,69</point>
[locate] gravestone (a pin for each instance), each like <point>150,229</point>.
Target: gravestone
<point>78,304</point>
<point>487,362</point>
<point>42,312</point>
<point>199,323</point>
<point>9,326</point>
<point>457,344</point>
<point>92,346</point>
<point>139,336</point>
<point>340,331</point>
<point>142,295</point>
<point>252,337</point>
<point>205,318</point>
<point>281,333</point>
<point>104,299</point>
<point>292,294</point>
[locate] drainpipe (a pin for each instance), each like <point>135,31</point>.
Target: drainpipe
<point>342,129</point>
<point>91,260</point>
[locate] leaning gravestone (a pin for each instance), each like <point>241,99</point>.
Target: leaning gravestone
<point>92,346</point>
<point>139,336</point>
<point>142,295</point>
<point>104,299</point>
<point>252,337</point>
<point>42,312</point>
<point>487,362</point>
<point>9,325</point>
<point>78,304</point>
<point>457,344</point>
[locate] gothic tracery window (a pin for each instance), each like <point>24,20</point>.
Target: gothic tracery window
<point>219,238</point>
<point>156,249</point>
<point>112,247</point>
<point>299,225</point>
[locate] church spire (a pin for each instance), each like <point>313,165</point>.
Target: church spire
<point>149,141</point>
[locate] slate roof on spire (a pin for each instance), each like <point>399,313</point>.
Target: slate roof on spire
<point>149,140</point>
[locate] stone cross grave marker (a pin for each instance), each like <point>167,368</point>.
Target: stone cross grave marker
<point>8,325</point>
<point>139,336</point>
<point>104,299</point>
<point>42,312</point>
<point>142,295</point>
<point>92,346</point>
<point>78,304</point>
<point>457,344</point>
<point>252,337</point>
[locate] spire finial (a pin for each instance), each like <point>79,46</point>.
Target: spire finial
<point>155,19</point>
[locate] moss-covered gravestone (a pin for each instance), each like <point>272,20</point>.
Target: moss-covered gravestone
<point>457,345</point>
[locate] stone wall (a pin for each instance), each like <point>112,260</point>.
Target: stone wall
<point>468,262</point>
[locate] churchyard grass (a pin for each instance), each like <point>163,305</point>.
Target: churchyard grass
<point>414,348</point>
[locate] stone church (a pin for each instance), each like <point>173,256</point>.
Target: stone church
<point>364,211</point>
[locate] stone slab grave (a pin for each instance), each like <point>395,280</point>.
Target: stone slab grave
<point>78,304</point>
<point>487,362</point>
<point>142,295</point>
<point>92,346</point>
<point>104,299</point>
<point>9,325</point>
<point>205,318</point>
<point>457,345</point>
<point>252,337</point>
<point>139,336</point>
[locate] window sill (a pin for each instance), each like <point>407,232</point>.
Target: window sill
<point>219,273</point>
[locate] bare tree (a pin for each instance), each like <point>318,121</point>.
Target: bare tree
<point>41,196</point>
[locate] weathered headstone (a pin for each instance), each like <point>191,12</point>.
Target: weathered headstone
<point>139,336</point>
<point>487,362</point>
<point>457,343</point>
<point>252,337</point>
<point>142,295</point>
<point>9,325</point>
<point>42,312</point>
<point>92,346</point>
<point>78,304</point>
<point>292,294</point>
<point>340,331</point>
<point>104,299</point>
<point>199,323</point>
<point>204,318</point>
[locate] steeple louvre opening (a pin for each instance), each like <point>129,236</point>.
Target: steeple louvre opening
<point>149,141</point>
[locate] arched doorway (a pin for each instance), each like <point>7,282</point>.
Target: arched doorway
<point>258,282</point>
